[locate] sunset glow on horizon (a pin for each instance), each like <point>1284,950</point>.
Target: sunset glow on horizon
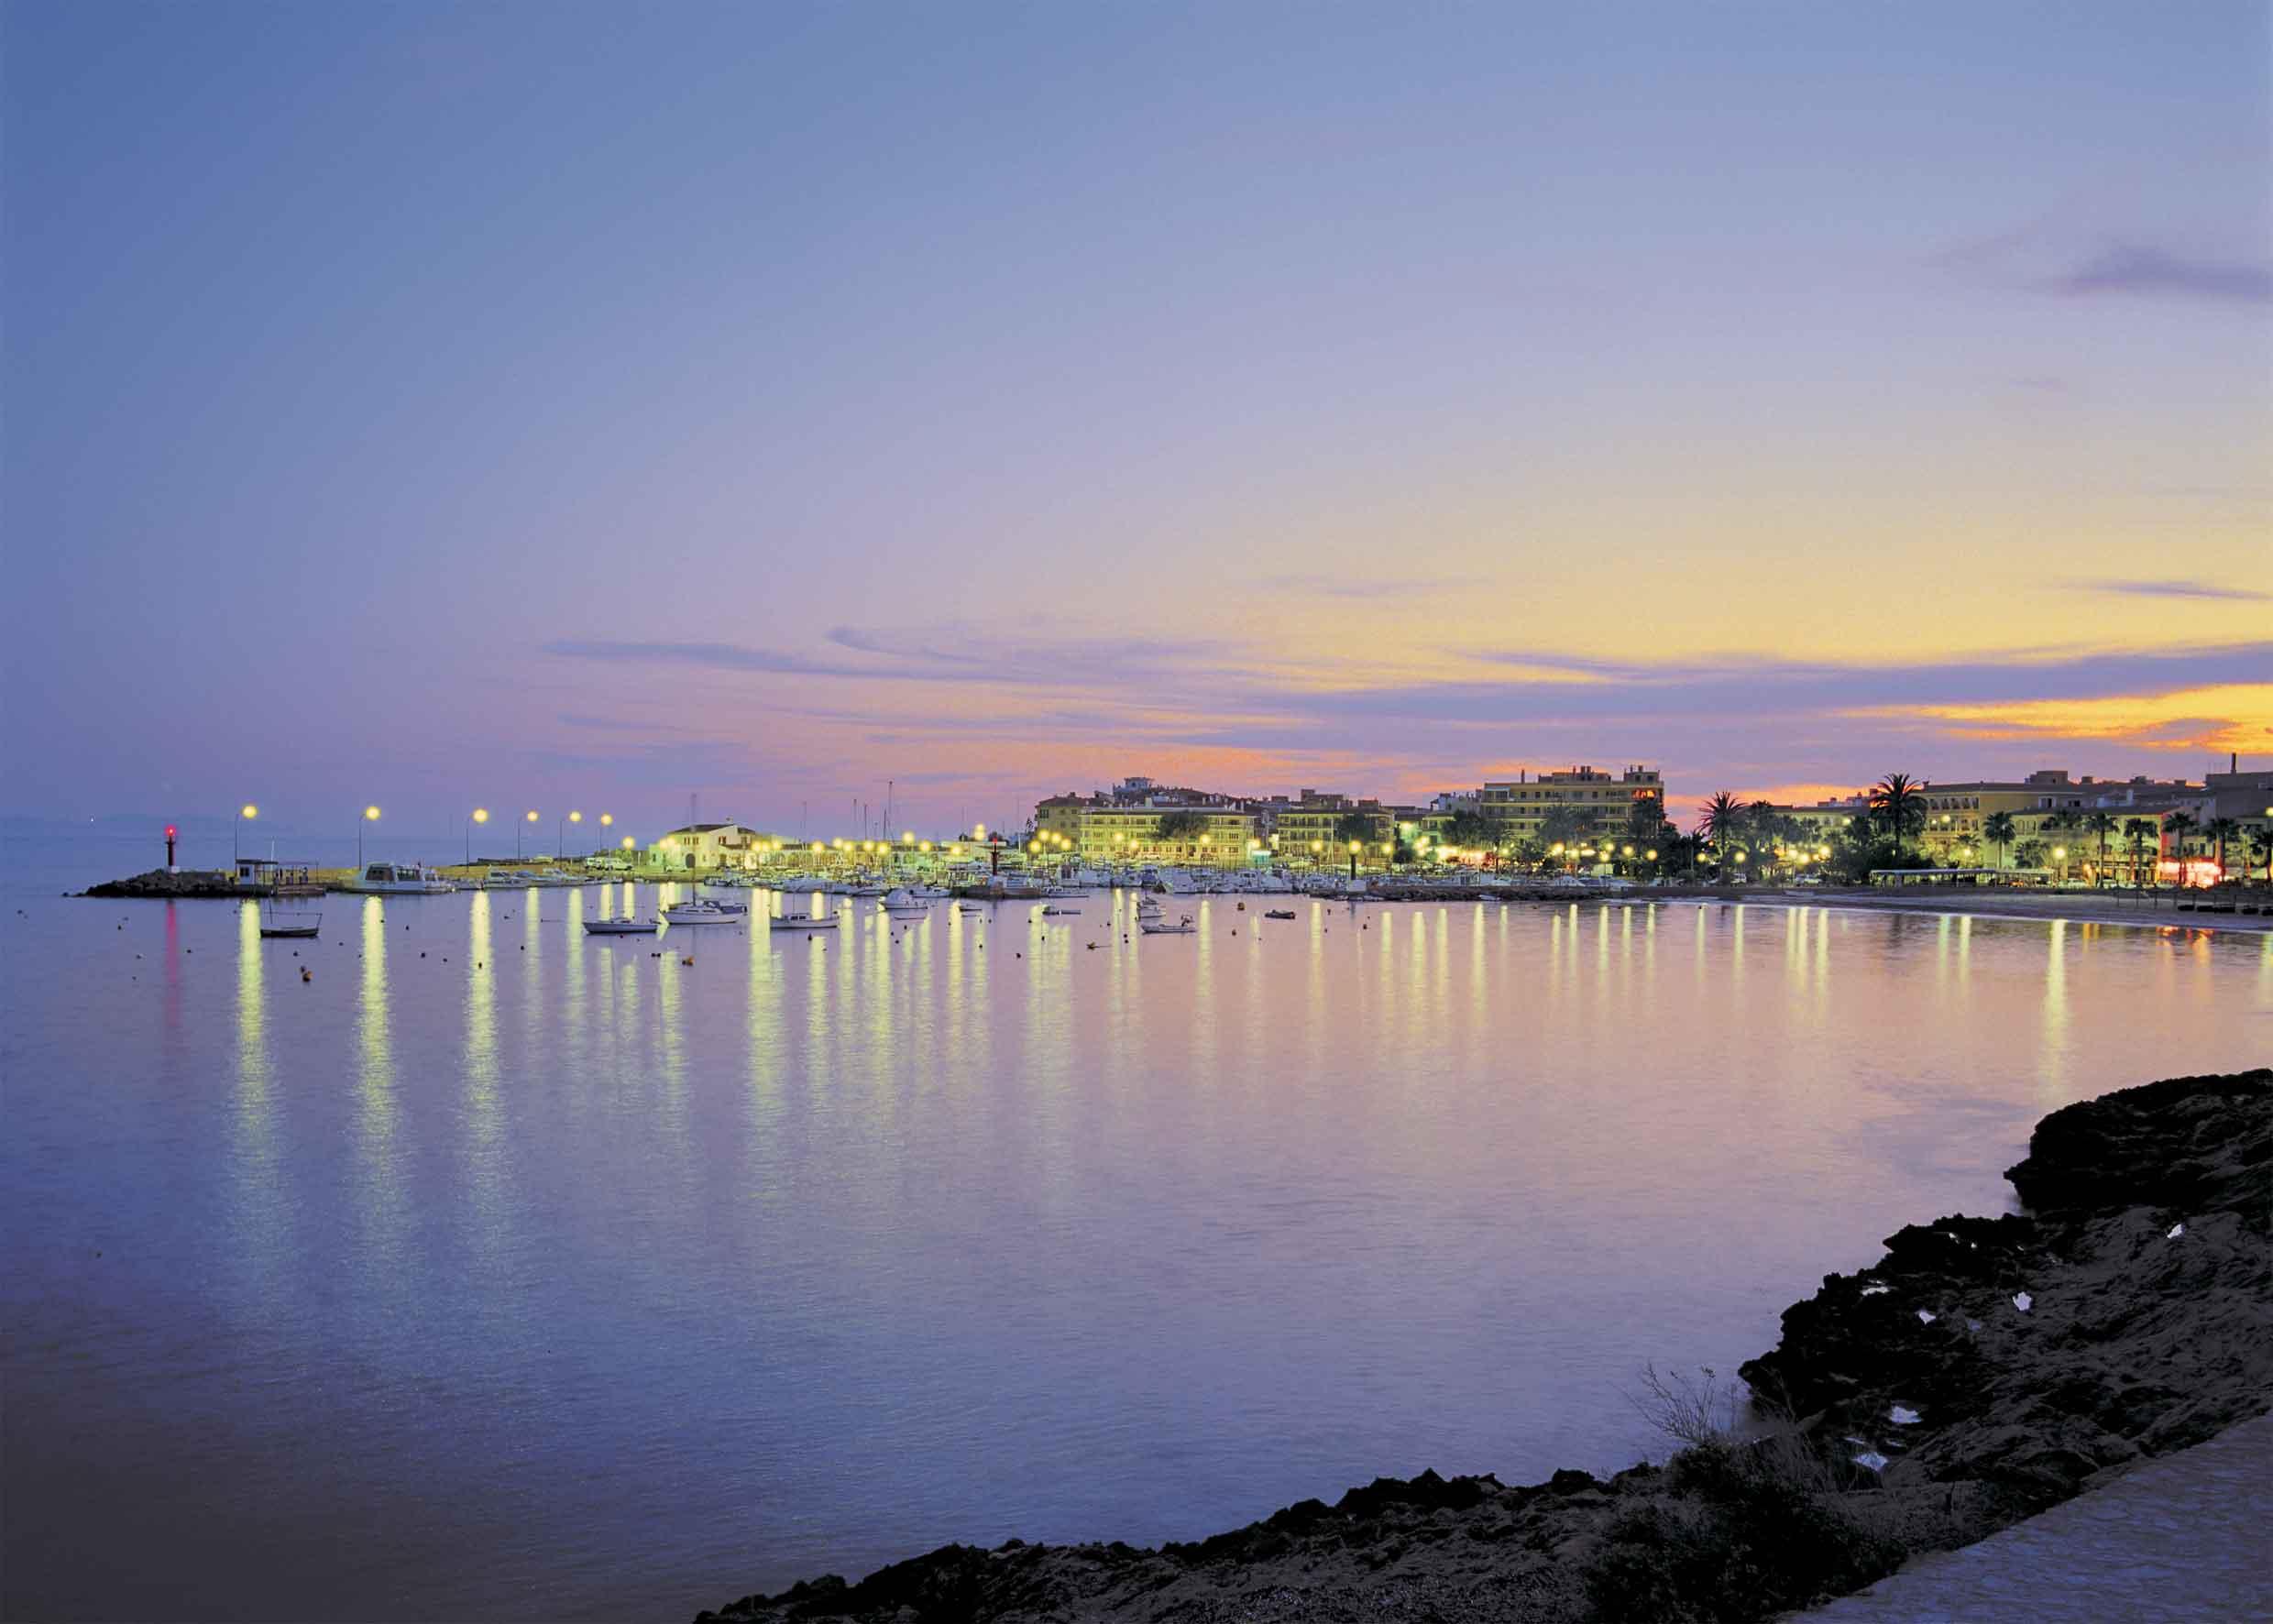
<point>561,406</point>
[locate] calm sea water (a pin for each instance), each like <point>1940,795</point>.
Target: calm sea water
<point>496,1271</point>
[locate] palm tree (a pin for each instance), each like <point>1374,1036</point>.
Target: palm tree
<point>2136,833</point>
<point>2102,825</point>
<point>2261,848</point>
<point>1997,830</point>
<point>1722,820</point>
<point>1899,801</point>
<point>2178,826</point>
<point>2220,829</point>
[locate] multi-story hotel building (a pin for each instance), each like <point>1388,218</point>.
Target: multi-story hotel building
<point>1521,807</point>
<point>1125,824</point>
<point>1318,824</point>
<point>1957,814</point>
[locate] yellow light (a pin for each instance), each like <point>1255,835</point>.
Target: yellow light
<point>532,817</point>
<point>371,814</point>
<point>1353,847</point>
<point>481,814</point>
<point>1739,857</point>
<point>923,846</point>
<point>818,848</point>
<point>627,842</point>
<point>979,831</point>
<point>2060,853</point>
<point>606,818</point>
<point>1629,851</point>
<point>1651,854</point>
<point>575,818</point>
<point>1555,850</point>
<point>248,810</point>
<point>1033,846</point>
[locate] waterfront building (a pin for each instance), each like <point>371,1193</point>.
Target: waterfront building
<point>1826,821</point>
<point>1580,797</point>
<point>701,846</point>
<point>1140,821</point>
<point>1320,825</point>
<point>2047,807</point>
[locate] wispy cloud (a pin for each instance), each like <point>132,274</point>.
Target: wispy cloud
<point>714,656</point>
<point>2206,590</point>
<point>2049,260</point>
<point>2140,270</point>
<point>938,656</point>
<point>1365,589</point>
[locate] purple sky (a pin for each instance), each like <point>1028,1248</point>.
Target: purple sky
<point>558,405</point>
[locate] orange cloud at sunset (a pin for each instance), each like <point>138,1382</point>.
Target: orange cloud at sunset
<point>2227,717</point>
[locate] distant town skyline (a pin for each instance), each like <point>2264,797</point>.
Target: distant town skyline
<point>572,406</point>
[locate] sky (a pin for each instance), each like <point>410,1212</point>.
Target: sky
<point>605,405</point>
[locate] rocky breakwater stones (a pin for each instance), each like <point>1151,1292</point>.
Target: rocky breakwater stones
<point>2129,1313</point>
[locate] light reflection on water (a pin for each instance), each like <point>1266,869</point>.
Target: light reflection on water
<point>593,1282</point>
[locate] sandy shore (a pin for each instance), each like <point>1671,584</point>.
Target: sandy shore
<point>2167,911</point>
<point>1982,1371</point>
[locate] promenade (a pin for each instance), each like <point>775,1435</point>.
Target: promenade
<point>2180,1539</point>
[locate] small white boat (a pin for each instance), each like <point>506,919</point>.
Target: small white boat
<point>806,922</point>
<point>1183,926</point>
<point>701,910</point>
<point>622,927</point>
<point>905,902</point>
<point>400,879</point>
<point>506,879</point>
<point>296,927</point>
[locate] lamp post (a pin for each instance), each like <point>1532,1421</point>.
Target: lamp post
<point>1353,857</point>
<point>245,814</point>
<point>558,849</point>
<point>370,814</point>
<point>478,815</point>
<point>520,834</point>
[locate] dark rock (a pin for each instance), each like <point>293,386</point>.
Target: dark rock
<point>2198,1144</point>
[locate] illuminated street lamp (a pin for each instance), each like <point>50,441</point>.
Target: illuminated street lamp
<point>245,814</point>
<point>527,819</point>
<point>370,814</point>
<point>1353,856</point>
<point>478,815</point>
<point>558,849</point>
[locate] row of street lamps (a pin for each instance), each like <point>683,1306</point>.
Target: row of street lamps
<point>248,812</point>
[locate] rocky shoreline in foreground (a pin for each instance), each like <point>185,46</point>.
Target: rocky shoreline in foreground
<point>1983,1370</point>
